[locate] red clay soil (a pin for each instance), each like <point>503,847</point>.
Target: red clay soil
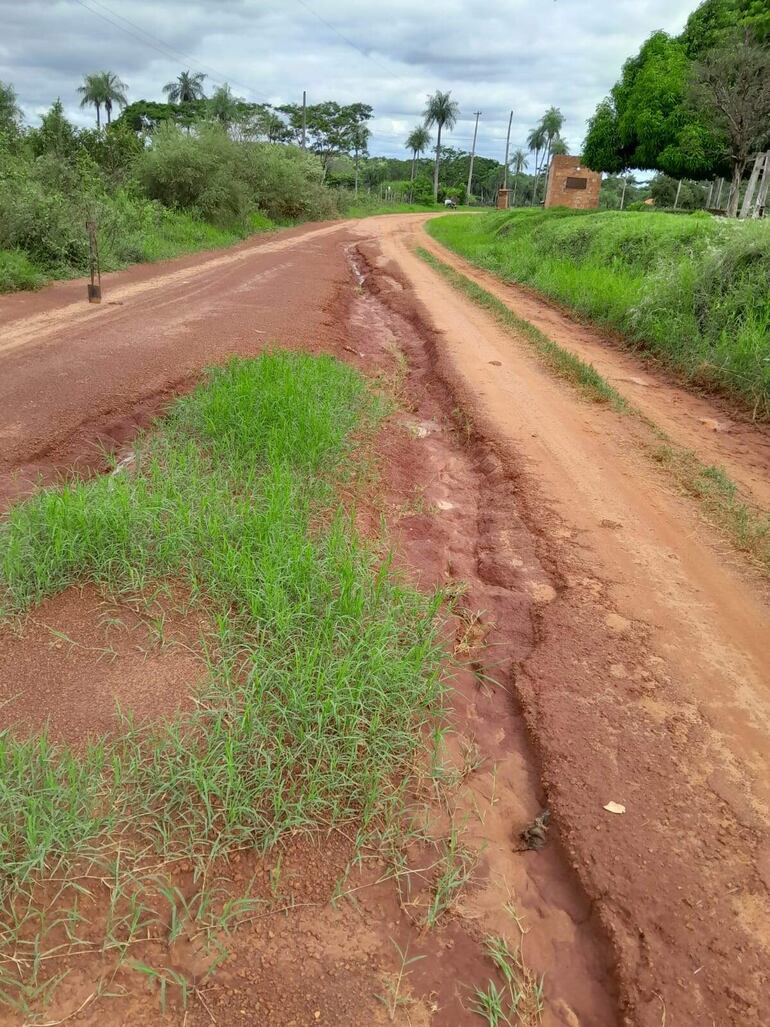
<point>614,651</point>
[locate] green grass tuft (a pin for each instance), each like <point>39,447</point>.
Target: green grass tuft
<point>323,665</point>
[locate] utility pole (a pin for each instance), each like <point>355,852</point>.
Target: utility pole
<point>507,148</point>
<point>473,154</point>
<point>304,117</point>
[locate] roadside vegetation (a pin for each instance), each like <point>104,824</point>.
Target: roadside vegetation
<point>182,193</point>
<point>719,498</point>
<point>322,667</point>
<point>691,290</point>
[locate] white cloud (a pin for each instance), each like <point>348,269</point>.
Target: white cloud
<point>525,54</point>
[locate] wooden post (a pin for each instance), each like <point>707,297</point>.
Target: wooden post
<point>719,194</point>
<point>678,190</point>
<point>760,208</point>
<point>95,285</point>
<point>507,147</point>
<point>473,154</point>
<point>752,186</point>
<point>623,194</point>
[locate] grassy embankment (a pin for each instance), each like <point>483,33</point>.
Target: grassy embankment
<point>321,666</point>
<point>746,526</point>
<point>693,291</point>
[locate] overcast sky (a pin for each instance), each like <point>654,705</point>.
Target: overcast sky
<point>492,54</point>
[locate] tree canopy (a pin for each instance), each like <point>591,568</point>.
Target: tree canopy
<point>649,120</point>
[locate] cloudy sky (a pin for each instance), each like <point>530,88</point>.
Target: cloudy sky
<point>494,55</point>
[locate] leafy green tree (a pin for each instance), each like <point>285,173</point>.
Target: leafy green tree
<point>332,129</point>
<point>187,86</point>
<point>730,87</point>
<point>602,149</point>
<point>102,89</point>
<point>223,106</point>
<point>10,112</point>
<point>442,111</point>
<point>55,135</point>
<point>418,142</point>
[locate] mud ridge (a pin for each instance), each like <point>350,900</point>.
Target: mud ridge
<point>511,574</point>
<point>608,720</point>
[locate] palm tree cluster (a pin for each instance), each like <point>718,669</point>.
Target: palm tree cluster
<point>102,89</point>
<point>545,140</point>
<point>442,111</point>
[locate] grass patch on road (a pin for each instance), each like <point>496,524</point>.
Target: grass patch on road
<point>324,667</point>
<point>743,524</point>
<point>691,290</point>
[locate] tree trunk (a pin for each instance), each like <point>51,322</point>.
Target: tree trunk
<point>435,168</point>
<point>735,190</point>
<point>98,117</point>
<point>515,186</point>
<point>534,181</point>
<point>411,179</point>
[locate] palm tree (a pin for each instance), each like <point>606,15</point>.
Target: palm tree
<point>440,110</point>
<point>536,141</point>
<point>102,89</point>
<point>518,162</point>
<point>418,142</point>
<point>188,86</point>
<point>551,123</point>
<point>114,92</point>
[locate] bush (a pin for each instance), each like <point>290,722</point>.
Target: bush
<point>18,272</point>
<point>226,182</point>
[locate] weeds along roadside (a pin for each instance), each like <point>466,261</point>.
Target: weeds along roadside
<point>691,290</point>
<point>745,526</point>
<point>323,667</point>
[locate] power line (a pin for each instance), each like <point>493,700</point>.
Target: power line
<point>342,36</point>
<point>161,47</point>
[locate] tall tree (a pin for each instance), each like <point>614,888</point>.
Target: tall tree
<point>92,94</point>
<point>731,87</point>
<point>359,145</point>
<point>518,163</point>
<point>114,93</point>
<point>442,111</point>
<point>102,89</point>
<point>418,142</point>
<point>536,141</point>
<point>187,86</point>
<point>551,123</point>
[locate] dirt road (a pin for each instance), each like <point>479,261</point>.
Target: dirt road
<point>641,647</point>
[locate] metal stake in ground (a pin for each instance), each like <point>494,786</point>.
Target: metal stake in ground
<point>95,285</point>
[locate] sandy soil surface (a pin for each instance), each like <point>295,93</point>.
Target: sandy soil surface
<point>616,651</point>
